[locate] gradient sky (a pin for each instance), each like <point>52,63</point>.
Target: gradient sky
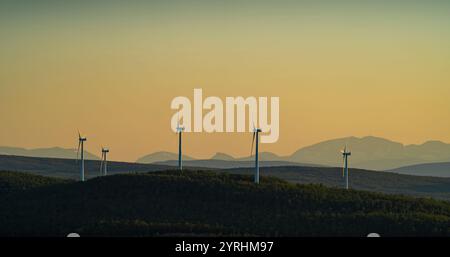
<point>111,69</point>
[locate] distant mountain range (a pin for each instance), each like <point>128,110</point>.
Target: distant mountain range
<point>224,164</point>
<point>218,161</point>
<point>53,152</point>
<point>373,153</point>
<point>370,152</point>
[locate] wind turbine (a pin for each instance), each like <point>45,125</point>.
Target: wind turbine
<point>81,141</point>
<point>104,162</point>
<point>180,130</point>
<point>345,155</point>
<point>256,132</point>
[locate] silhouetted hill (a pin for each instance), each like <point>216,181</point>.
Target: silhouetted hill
<point>53,152</point>
<point>207,203</point>
<point>440,169</point>
<point>161,157</point>
<point>69,169</point>
<point>222,157</point>
<point>265,156</point>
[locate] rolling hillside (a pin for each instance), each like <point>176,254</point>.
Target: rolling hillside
<point>439,169</point>
<point>375,181</point>
<point>69,168</point>
<point>386,182</point>
<point>208,203</point>
<point>11,182</point>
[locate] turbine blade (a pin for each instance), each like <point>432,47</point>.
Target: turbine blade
<point>253,142</point>
<point>343,166</point>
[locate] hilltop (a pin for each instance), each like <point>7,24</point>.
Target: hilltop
<point>209,203</point>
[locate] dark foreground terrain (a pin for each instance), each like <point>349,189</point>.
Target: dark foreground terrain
<point>166,203</point>
<point>375,181</point>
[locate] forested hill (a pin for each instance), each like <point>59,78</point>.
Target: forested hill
<point>208,203</point>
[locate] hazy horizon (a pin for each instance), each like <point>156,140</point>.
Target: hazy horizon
<point>111,70</point>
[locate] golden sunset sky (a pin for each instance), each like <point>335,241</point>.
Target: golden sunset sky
<point>111,69</point>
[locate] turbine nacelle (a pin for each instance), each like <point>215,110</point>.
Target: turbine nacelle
<point>81,138</point>
<point>81,141</point>
<point>180,129</point>
<point>345,152</point>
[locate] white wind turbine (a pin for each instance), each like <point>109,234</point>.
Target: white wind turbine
<point>104,162</point>
<point>345,155</point>
<point>256,132</point>
<point>81,141</point>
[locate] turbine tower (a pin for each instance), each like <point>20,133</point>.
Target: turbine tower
<point>104,162</point>
<point>345,155</point>
<point>180,130</point>
<point>256,132</point>
<point>81,141</point>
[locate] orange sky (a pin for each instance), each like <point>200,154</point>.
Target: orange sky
<point>113,75</point>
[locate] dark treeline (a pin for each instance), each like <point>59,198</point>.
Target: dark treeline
<point>207,203</point>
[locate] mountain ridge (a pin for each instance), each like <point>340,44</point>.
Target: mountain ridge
<point>369,152</point>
